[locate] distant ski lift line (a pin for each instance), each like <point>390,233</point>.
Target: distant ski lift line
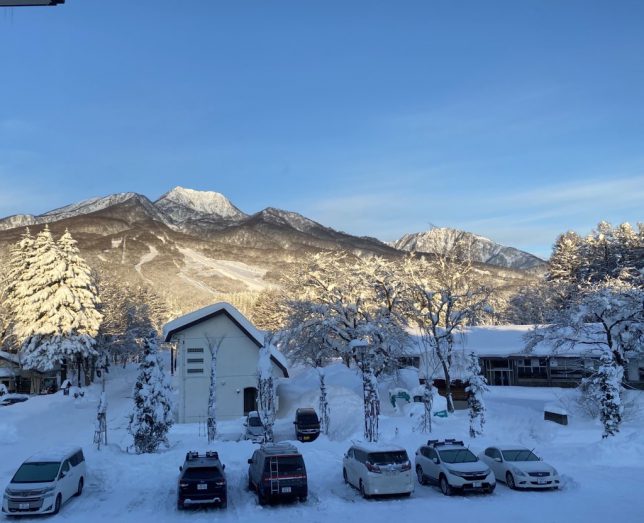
<point>29,3</point>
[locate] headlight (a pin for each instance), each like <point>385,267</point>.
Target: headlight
<point>455,473</point>
<point>48,489</point>
<point>554,472</point>
<point>518,472</point>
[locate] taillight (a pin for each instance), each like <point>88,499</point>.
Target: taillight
<point>220,483</point>
<point>184,485</point>
<point>373,468</point>
<point>406,465</point>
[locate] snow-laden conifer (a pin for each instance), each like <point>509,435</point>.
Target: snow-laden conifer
<point>477,385</point>
<point>151,417</point>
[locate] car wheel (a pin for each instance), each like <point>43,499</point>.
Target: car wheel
<point>250,484</point>
<point>261,497</point>
<point>509,481</point>
<point>363,493</point>
<point>344,476</point>
<point>59,501</point>
<point>490,489</point>
<point>80,487</point>
<point>420,475</point>
<point>179,504</point>
<point>446,488</point>
<point>223,504</point>
<point>303,499</point>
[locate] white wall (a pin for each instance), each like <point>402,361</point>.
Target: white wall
<point>236,369</point>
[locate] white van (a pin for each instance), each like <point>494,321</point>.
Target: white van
<point>378,469</point>
<point>45,481</point>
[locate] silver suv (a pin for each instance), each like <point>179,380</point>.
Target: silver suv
<point>452,466</point>
<point>44,482</point>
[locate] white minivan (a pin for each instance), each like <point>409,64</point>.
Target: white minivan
<point>377,469</point>
<point>45,481</point>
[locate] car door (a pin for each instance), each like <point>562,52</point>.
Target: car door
<point>495,461</point>
<point>431,470</point>
<point>64,479</point>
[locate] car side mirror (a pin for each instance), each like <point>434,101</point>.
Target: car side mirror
<point>498,459</point>
<point>436,461</point>
<point>180,469</point>
<point>62,474</point>
<point>250,461</point>
<point>223,467</point>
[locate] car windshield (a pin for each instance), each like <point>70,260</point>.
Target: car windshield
<point>254,422</point>
<point>457,456</point>
<point>519,455</point>
<point>309,419</point>
<point>288,465</point>
<point>395,457</point>
<point>202,473</point>
<point>37,472</point>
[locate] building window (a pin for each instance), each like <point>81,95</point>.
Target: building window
<point>196,350</point>
<point>567,368</point>
<point>532,368</point>
<point>409,361</point>
<point>195,360</point>
<point>195,371</point>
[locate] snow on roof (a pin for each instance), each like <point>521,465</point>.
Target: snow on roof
<point>194,317</point>
<point>54,454</point>
<point>9,356</point>
<point>376,447</point>
<point>501,341</point>
<point>6,373</point>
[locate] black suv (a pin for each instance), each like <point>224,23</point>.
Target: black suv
<point>277,471</point>
<point>307,424</point>
<point>202,481</point>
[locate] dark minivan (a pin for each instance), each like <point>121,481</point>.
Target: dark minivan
<point>277,472</point>
<point>307,424</point>
<point>202,481</point>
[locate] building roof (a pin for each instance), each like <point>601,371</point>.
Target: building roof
<point>502,341</point>
<point>205,313</point>
<point>10,356</point>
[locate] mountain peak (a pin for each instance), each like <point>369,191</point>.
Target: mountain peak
<point>201,202</point>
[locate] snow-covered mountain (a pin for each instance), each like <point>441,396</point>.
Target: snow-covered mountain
<point>483,249</point>
<point>181,205</point>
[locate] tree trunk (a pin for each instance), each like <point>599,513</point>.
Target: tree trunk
<point>324,405</point>
<point>448,387</point>
<point>371,406</point>
<point>426,423</point>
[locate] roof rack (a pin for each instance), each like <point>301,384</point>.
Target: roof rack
<point>279,448</point>
<point>438,443</point>
<point>193,454</point>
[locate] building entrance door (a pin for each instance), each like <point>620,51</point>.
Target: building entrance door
<point>500,377</point>
<point>250,399</point>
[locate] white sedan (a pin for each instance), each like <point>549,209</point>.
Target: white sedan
<point>519,467</point>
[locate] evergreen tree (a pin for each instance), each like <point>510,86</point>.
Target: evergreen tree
<point>566,260</point>
<point>604,389</point>
<point>151,417</point>
<point>477,385</point>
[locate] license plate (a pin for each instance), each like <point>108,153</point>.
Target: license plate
<point>305,438</point>
<point>542,481</point>
<point>286,490</point>
<point>202,486</point>
<point>23,506</point>
<point>477,484</point>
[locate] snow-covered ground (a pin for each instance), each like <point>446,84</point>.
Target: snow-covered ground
<point>602,480</point>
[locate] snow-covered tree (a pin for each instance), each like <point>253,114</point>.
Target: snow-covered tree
<point>151,417</point>
<point>348,305</point>
<point>566,260</point>
<point>607,317</point>
<point>603,392</point>
<point>442,297</point>
<point>266,390</point>
<point>214,344</point>
<point>477,386</point>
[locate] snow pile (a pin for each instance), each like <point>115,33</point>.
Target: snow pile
<point>8,434</point>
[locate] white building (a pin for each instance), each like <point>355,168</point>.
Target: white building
<point>194,336</point>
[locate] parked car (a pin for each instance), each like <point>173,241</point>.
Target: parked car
<point>378,469</point>
<point>277,472</point>
<point>45,481</point>
<point>520,468</point>
<point>11,399</point>
<point>452,466</point>
<point>253,428</point>
<point>307,424</point>
<point>202,481</point>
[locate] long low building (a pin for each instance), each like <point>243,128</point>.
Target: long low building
<point>505,361</point>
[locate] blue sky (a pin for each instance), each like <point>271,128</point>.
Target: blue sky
<point>516,120</point>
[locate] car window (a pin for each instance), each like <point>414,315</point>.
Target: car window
<point>457,456</point>
<point>287,465</point>
<point>350,454</point>
<point>519,455</point>
<point>254,422</point>
<point>39,472</point>
<point>65,468</point>
<point>385,458</point>
<point>431,453</point>
<point>489,452</point>
<point>202,473</point>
